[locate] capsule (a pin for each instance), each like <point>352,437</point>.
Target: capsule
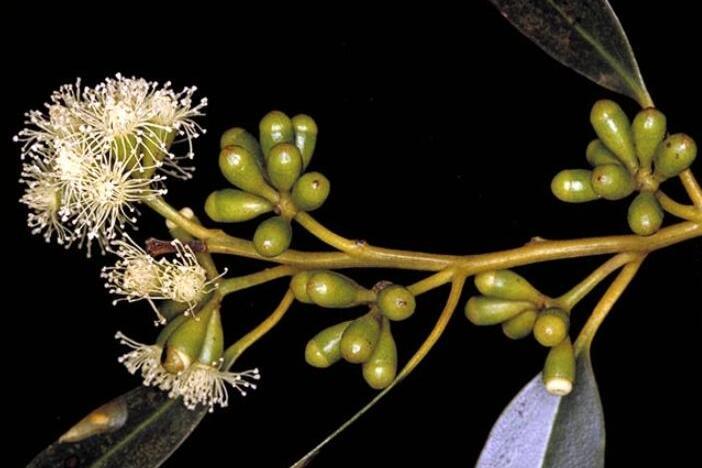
<point>520,326</point>
<point>324,348</point>
<point>598,154</point>
<point>674,155</point>
<point>239,137</point>
<point>612,127</point>
<point>574,186</point>
<point>234,206</point>
<point>154,148</point>
<point>310,191</point>
<point>240,168</point>
<point>645,214</point>
<point>380,369</point>
<point>184,344</point>
<point>481,310</point>
<point>273,236</point>
<point>275,128</point>
<point>284,165</point>
<point>360,338</point>
<point>396,302</point>
<point>333,290</point>
<point>551,327</point>
<point>613,182</point>
<point>125,147</point>
<point>305,129</point>
<point>649,127</point>
<point>506,284</point>
<point>559,369</point>
<point>298,285</point>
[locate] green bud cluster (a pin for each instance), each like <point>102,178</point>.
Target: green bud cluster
<point>627,157</point>
<point>268,174</point>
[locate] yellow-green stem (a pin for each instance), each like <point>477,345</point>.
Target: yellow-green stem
<point>610,297</point>
<point>687,212</point>
<point>692,187</point>
<point>431,282</point>
<point>230,285</point>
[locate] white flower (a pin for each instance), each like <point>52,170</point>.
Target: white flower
<point>138,276</point>
<point>43,199</point>
<point>198,384</point>
<point>205,384</point>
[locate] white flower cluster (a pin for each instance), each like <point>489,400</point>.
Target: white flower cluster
<point>198,384</point>
<point>93,153</point>
<point>138,276</point>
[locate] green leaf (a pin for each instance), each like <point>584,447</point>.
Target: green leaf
<point>538,429</point>
<point>144,428</point>
<point>584,35</point>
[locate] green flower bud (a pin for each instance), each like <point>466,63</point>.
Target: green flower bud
<point>234,206</point>
<point>649,129</point>
<point>613,182</point>
<point>360,338</point>
<point>240,168</point>
<point>551,327</point>
<point>396,302</point>
<point>284,165</point>
<point>239,137</point>
<point>310,191</point>
<point>506,284</point>
<point>333,290</point>
<point>574,186</point>
<point>152,149</point>
<point>481,310</point>
<point>324,348</point>
<point>298,285</point>
<point>559,370</point>
<point>184,345</point>
<point>381,368</point>
<point>612,127</point>
<point>520,326</point>
<point>674,155</point>
<point>598,154</point>
<point>273,236</point>
<point>213,343</point>
<point>275,127</point>
<point>305,136</point>
<point>645,214</point>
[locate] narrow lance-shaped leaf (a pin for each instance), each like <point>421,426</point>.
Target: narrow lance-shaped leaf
<point>585,35</point>
<point>141,428</point>
<point>538,429</point>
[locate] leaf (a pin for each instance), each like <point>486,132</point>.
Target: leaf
<point>148,428</point>
<point>538,429</point>
<point>585,35</point>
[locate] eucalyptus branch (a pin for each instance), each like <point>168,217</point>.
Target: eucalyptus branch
<point>692,187</point>
<point>687,212</point>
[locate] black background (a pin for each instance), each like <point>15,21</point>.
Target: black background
<point>440,131</point>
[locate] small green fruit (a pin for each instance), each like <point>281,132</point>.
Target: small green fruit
<point>324,349</point>
<point>275,128</point>
<point>520,326</point>
<point>649,129</point>
<point>240,168</point>
<point>360,338</point>
<point>506,284</point>
<point>559,369</point>
<point>298,285</point>
<point>305,136</point>
<point>234,206</point>
<point>239,137</point>
<point>396,302</point>
<point>273,236</point>
<point>598,154</point>
<point>551,327</point>
<point>381,368</point>
<point>674,155</point>
<point>481,310</point>
<point>310,191</point>
<point>284,165</point>
<point>574,186</point>
<point>333,290</point>
<point>612,127</point>
<point>613,182</point>
<point>645,214</point>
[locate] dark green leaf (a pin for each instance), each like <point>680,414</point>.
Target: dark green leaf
<point>584,35</point>
<point>538,429</point>
<point>153,428</point>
